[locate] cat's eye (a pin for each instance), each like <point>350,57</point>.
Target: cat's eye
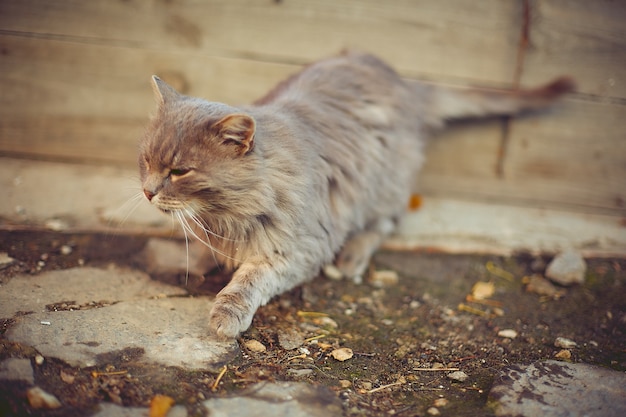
<point>179,172</point>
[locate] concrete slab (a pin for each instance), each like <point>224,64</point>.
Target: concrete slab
<point>559,389</point>
<point>70,197</point>
<point>138,313</point>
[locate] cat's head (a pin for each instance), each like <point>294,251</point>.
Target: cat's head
<point>195,155</point>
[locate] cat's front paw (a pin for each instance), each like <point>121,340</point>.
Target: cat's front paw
<point>228,318</point>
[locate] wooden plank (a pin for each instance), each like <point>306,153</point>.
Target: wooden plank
<point>452,40</point>
<point>575,154</point>
<point>586,39</point>
<point>90,102</point>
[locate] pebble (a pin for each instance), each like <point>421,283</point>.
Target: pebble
<point>567,268</point>
<point>433,411</point>
<point>562,342</point>
<point>384,278</point>
<point>440,402</point>
<point>290,339</point>
<point>5,260</point>
<point>255,346</point>
<point>332,272</point>
<point>508,333</point>
<point>39,360</point>
<point>458,376</point>
<point>15,369</point>
<point>39,398</point>
<point>539,285</point>
<point>66,250</point>
<point>300,372</point>
<point>342,354</point>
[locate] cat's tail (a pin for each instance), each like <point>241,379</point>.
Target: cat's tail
<point>452,103</point>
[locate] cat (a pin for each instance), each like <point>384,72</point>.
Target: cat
<point>315,173</point>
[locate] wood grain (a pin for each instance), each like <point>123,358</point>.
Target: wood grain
<point>74,77</point>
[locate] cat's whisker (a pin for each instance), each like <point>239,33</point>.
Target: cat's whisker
<point>132,203</point>
<point>185,224</point>
<point>202,225</point>
<point>178,214</point>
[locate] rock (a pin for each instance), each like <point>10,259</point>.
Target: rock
<point>458,376</point>
<point>38,398</point>
<point>170,257</point>
<point>114,410</point>
<point>282,399</point>
<point>14,369</point>
<point>567,268</point>
<point>342,354</point>
<point>508,333</point>
<point>290,339</point>
<point>169,331</point>
<point>5,260</point>
<point>557,389</point>
<point>433,411</point>
<point>332,272</point>
<point>384,278</point>
<point>539,285</point>
<point>81,285</point>
<point>300,372</point>
<point>440,402</point>
<point>562,342</point>
<point>255,346</point>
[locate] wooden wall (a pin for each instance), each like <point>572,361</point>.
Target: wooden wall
<point>74,79</point>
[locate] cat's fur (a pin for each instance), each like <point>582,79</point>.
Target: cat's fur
<point>317,171</point>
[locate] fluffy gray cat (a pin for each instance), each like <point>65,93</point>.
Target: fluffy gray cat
<point>318,171</point>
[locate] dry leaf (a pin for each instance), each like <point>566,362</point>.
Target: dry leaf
<point>482,290</point>
<point>160,405</point>
<point>342,354</point>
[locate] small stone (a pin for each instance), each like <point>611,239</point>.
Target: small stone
<point>67,377</point>
<point>66,250</point>
<point>440,402</point>
<point>56,224</point>
<point>366,385</point>
<point>508,333</point>
<point>562,342</point>
<point>290,339</point>
<point>300,372</point>
<point>342,354</point>
<point>255,346</point>
<point>567,268</point>
<point>539,285</point>
<point>344,383</point>
<point>39,360</point>
<point>14,369</point>
<point>458,376</point>
<point>384,278</point>
<point>39,398</point>
<point>332,272</point>
<point>5,260</point>
<point>563,354</point>
<point>433,411</point>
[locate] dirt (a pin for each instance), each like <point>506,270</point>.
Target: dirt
<point>405,337</point>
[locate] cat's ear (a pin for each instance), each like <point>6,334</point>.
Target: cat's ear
<point>162,91</point>
<point>237,130</point>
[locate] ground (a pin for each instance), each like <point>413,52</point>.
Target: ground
<point>404,337</point>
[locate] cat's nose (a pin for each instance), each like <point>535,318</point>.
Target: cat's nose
<point>149,195</point>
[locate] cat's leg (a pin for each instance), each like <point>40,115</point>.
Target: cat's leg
<point>353,259</point>
<point>253,284</point>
